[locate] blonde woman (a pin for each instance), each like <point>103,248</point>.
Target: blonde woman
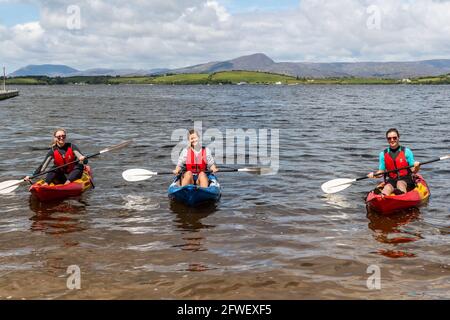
<point>194,162</point>
<point>61,153</point>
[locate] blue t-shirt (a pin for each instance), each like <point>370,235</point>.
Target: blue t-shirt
<point>409,157</point>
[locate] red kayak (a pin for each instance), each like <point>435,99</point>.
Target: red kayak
<point>393,203</point>
<point>59,191</point>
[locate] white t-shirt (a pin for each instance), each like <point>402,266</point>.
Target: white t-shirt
<point>183,157</point>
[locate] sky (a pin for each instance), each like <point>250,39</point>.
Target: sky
<point>146,34</point>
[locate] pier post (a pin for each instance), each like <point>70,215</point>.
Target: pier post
<point>4,79</point>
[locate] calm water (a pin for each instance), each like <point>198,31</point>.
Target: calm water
<point>276,237</point>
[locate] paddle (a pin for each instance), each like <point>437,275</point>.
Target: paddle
<point>134,175</point>
<point>11,185</point>
<point>336,185</point>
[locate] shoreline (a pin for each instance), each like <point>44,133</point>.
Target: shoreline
<point>222,78</point>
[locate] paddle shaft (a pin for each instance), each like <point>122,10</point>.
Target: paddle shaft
<point>207,172</point>
<point>395,170</point>
<point>64,165</point>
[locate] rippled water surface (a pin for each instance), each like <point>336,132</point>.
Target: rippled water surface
<point>275,237</point>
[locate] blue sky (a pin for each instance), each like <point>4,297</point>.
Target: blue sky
<point>15,13</point>
<point>235,6</point>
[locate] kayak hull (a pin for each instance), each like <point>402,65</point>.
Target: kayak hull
<point>394,203</point>
<point>53,192</point>
<point>193,195</point>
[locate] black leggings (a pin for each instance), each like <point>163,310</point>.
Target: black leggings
<point>408,179</point>
<point>59,177</point>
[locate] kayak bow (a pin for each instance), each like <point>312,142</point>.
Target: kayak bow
<point>193,195</point>
<point>387,205</point>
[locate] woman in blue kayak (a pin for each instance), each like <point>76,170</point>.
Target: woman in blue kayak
<point>395,157</point>
<point>194,162</point>
<point>61,153</point>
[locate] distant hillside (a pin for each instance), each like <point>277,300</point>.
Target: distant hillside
<point>262,63</point>
<point>390,70</point>
<point>51,70</point>
<point>118,72</point>
<point>254,62</point>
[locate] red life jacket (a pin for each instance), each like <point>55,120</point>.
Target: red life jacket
<point>196,164</point>
<point>60,160</point>
<point>399,161</point>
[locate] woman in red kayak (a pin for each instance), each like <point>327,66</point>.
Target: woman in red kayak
<point>395,157</point>
<point>62,152</point>
<point>194,161</point>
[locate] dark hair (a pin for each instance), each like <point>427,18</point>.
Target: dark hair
<point>392,130</point>
<point>192,131</point>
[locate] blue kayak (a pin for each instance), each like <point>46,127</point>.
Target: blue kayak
<point>193,195</point>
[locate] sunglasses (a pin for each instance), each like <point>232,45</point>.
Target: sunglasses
<point>60,137</point>
<point>392,138</point>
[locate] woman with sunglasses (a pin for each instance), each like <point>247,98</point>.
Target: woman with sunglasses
<point>61,153</point>
<point>395,157</point>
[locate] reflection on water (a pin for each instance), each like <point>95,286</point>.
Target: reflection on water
<point>57,217</point>
<point>188,220</point>
<point>198,267</point>
<point>206,208</point>
<point>391,230</point>
<point>338,201</point>
<point>140,202</point>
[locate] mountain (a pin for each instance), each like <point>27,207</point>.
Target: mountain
<point>65,71</point>
<point>254,62</point>
<point>260,62</point>
<point>120,72</point>
<point>110,72</point>
<point>51,70</point>
<point>157,71</point>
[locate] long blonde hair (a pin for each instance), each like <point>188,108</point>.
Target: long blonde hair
<point>54,134</point>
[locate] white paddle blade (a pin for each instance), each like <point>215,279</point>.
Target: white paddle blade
<point>336,185</point>
<point>9,186</point>
<point>445,157</point>
<point>134,175</point>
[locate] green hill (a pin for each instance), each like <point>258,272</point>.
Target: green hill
<point>223,77</point>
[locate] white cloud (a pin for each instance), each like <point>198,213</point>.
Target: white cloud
<point>176,33</point>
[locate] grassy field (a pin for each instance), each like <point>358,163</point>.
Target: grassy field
<point>187,78</point>
<point>432,80</point>
<point>25,81</point>
<point>224,77</point>
<point>251,77</point>
<point>352,81</point>
<point>130,80</point>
